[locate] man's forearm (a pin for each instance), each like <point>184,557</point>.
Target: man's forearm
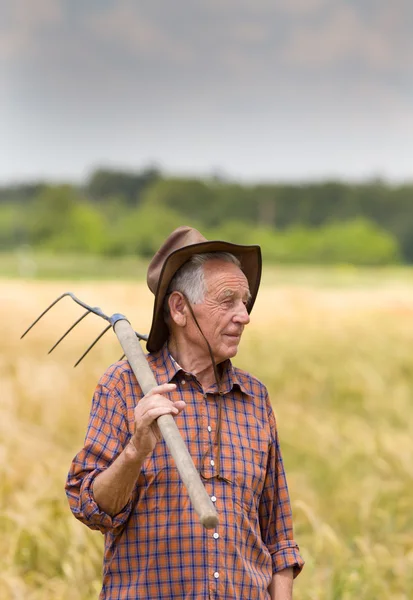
<point>113,487</point>
<point>281,587</point>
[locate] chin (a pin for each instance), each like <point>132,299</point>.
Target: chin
<point>230,352</point>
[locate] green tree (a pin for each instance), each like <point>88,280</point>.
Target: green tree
<point>61,220</point>
<point>190,197</point>
<point>358,242</point>
<point>106,183</point>
<point>142,230</point>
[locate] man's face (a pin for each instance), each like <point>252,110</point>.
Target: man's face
<point>223,315</point>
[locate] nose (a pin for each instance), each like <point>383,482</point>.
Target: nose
<point>242,316</point>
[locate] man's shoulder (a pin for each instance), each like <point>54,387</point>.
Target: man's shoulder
<point>120,373</point>
<point>116,375</point>
<point>252,385</point>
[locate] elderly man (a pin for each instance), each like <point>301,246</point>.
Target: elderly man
<point>124,482</point>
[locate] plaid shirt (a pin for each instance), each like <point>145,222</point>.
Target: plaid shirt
<point>156,547</point>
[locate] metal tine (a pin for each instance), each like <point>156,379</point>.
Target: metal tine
<point>94,309</point>
<point>122,357</point>
<point>69,330</point>
<point>89,309</point>
<point>141,336</point>
<point>44,312</point>
<point>95,342</point>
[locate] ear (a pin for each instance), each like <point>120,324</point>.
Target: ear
<point>177,309</point>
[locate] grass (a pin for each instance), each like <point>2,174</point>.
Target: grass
<point>26,264</point>
<point>29,265</point>
<point>337,361</point>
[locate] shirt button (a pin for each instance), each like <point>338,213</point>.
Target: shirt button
<point>183,382</point>
<point>209,428</point>
<point>216,535</point>
<point>212,463</point>
<point>216,574</point>
<point>213,498</point>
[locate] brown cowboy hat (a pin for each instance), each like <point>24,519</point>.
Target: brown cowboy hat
<point>183,243</point>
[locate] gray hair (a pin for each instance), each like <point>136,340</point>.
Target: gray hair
<point>190,278</point>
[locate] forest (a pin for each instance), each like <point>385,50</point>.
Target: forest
<point>119,212</point>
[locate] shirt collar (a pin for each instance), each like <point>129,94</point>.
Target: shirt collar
<point>230,379</point>
<point>165,368</point>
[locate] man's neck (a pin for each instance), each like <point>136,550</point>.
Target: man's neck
<point>197,363</point>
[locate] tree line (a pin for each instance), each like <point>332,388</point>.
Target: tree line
<point>120,212</point>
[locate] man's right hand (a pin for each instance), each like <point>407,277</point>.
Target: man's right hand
<point>149,408</point>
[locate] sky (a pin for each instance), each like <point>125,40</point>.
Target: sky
<point>254,90</point>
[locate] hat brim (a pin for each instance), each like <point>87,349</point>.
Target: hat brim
<point>251,264</point>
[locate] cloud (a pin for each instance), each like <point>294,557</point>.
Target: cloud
<point>260,7</point>
<point>22,21</point>
<point>128,77</point>
<point>300,7</point>
<point>129,27</point>
<point>249,32</point>
<point>345,35</point>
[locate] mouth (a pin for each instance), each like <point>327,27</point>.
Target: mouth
<point>233,336</point>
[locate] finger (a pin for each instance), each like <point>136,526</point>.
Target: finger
<point>161,389</point>
<point>177,407</point>
<point>153,413</point>
<point>152,402</point>
<point>180,405</point>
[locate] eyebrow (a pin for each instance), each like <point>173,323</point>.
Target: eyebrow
<point>227,293</point>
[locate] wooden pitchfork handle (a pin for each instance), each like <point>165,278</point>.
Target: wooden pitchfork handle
<point>137,360</point>
<point>170,432</point>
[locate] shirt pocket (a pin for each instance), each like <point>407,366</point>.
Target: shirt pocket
<point>245,467</point>
<point>157,470</point>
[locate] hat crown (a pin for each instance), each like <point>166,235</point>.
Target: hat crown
<point>180,238</point>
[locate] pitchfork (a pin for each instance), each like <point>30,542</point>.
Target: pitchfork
<point>129,340</point>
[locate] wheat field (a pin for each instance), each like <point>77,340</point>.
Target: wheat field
<point>338,363</point>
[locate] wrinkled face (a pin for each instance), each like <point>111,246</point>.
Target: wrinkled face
<point>223,315</point>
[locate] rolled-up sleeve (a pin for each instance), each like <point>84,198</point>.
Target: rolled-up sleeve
<point>275,511</point>
<point>107,434</point>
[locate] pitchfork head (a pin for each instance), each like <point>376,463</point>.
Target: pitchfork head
<point>89,309</point>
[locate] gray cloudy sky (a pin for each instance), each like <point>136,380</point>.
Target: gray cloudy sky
<point>254,89</point>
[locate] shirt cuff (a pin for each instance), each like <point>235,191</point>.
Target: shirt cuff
<point>93,516</point>
<point>287,554</point>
